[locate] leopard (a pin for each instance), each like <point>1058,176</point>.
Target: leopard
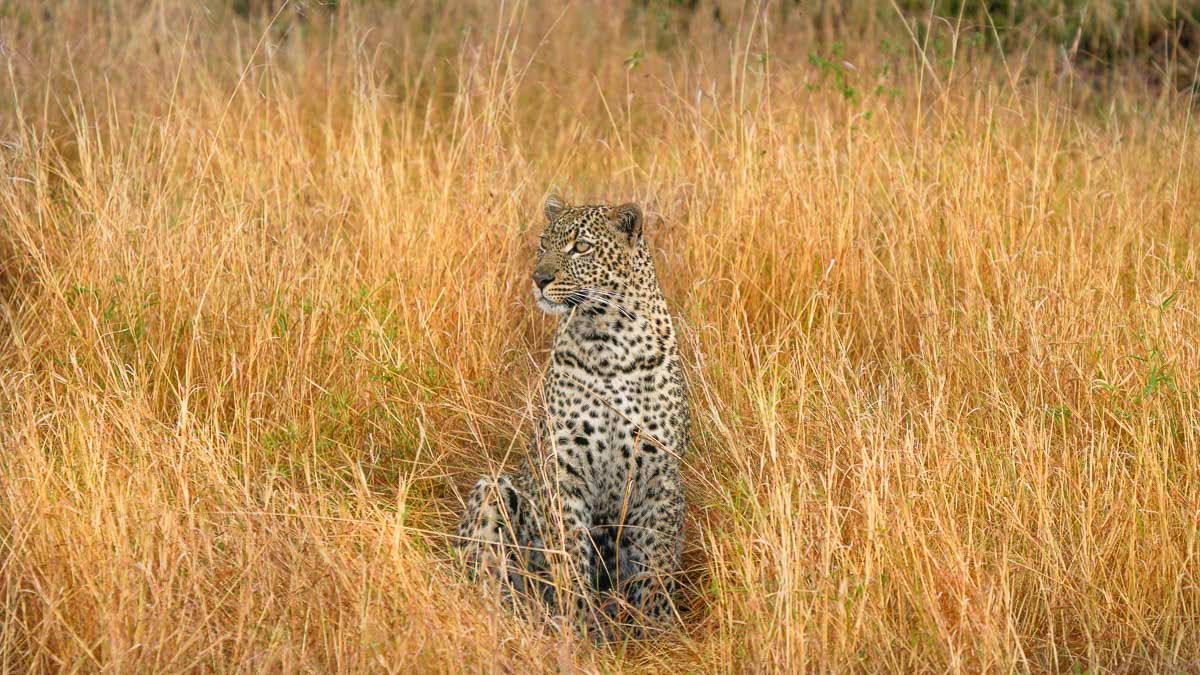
<point>600,497</point>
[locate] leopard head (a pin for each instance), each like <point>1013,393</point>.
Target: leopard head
<point>585,255</point>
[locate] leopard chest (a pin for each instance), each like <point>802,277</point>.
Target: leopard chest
<point>613,425</point>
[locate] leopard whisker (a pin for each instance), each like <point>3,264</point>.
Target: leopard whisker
<point>609,299</point>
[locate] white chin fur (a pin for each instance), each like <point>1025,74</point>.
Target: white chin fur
<point>550,307</point>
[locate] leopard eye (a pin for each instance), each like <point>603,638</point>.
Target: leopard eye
<point>581,247</point>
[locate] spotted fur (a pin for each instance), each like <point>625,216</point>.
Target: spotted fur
<point>603,486</point>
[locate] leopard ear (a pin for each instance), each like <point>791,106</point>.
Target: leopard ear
<point>553,206</point>
<point>627,219</point>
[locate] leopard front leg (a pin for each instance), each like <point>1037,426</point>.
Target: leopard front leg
<point>649,554</point>
<point>573,576</point>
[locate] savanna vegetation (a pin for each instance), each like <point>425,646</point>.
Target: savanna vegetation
<point>265,314</point>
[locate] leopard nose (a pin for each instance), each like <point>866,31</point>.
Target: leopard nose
<point>542,279</point>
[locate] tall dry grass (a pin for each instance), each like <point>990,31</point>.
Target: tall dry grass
<point>265,313</point>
